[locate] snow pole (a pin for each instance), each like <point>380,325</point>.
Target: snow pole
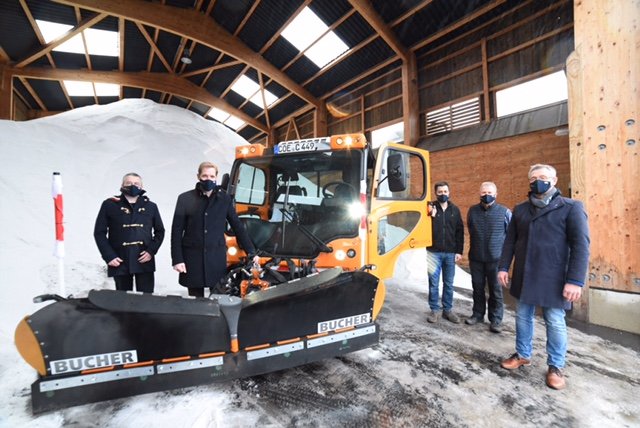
<point>56,193</point>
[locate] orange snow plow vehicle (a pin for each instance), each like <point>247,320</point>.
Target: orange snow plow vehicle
<point>329,218</point>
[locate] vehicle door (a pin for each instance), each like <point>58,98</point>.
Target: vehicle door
<point>398,218</point>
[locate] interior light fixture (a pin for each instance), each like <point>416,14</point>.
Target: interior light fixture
<point>186,57</point>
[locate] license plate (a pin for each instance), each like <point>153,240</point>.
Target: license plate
<point>296,146</point>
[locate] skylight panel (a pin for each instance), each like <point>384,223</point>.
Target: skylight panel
<point>326,49</point>
<point>245,87</point>
<point>249,89</point>
<point>102,42</point>
<point>268,96</point>
<point>99,42</point>
<point>107,89</point>
<point>307,33</point>
<point>78,89</point>
<point>305,29</point>
<point>223,117</point>
<point>218,114</point>
<point>234,123</point>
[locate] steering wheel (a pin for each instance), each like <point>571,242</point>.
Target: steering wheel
<point>325,188</point>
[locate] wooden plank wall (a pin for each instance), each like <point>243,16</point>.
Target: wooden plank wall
<point>506,162</point>
<point>605,135</point>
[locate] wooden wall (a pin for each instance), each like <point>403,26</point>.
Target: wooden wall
<point>506,162</point>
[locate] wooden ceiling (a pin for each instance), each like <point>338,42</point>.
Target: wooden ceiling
<point>226,39</point>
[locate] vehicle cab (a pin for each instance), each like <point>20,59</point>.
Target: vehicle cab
<point>332,201</point>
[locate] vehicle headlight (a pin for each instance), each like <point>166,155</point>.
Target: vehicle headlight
<point>340,255</point>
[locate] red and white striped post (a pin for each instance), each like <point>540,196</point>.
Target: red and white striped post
<point>56,193</point>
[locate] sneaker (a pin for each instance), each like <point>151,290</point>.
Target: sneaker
<point>473,320</point>
<point>514,362</point>
<point>555,378</point>
<point>495,327</point>
<point>433,316</point>
<point>449,315</point>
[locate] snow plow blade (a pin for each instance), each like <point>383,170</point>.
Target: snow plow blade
<point>114,344</point>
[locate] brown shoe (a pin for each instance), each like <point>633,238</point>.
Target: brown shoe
<point>555,378</point>
<point>514,361</point>
<point>433,316</point>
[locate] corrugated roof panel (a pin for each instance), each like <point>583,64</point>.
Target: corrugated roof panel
<point>84,101</point>
<point>267,19</point>
<point>285,108</point>
<point>136,49</point>
<point>280,52</point>
<point>49,11</point>
<point>17,36</point>
<point>69,60</point>
<point>352,66</point>
<point>50,93</point>
<point>105,63</point>
<point>230,13</point>
<point>130,92</point>
<point>221,79</point>
<point>22,90</point>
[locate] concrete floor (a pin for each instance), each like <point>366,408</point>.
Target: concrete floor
<point>420,375</point>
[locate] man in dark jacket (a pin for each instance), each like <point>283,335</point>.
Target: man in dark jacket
<point>445,251</point>
<point>129,232</point>
<point>198,247</point>
<point>549,238</point>
<point>487,223</point>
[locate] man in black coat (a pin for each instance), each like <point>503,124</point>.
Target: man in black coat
<point>129,232</point>
<point>444,252</point>
<point>198,247</point>
<point>549,239</point>
<point>487,222</point>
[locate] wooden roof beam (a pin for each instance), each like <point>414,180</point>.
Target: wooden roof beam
<point>367,11</point>
<point>196,26</point>
<point>161,82</point>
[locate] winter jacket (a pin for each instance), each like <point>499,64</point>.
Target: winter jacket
<point>197,236</point>
<point>487,229</point>
<point>551,248</point>
<point>124,230</point>
<point>447,230</point>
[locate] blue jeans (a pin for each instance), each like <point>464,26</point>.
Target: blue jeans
<point>556,333</point>
<point>446,263</point>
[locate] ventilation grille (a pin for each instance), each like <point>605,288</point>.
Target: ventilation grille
<point>455,116</point>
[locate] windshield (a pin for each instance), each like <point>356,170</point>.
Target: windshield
<point>293,204</point>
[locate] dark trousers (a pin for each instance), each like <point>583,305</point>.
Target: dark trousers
<point>144,282</point>
<point>197,292</point>
<point>486,274</point>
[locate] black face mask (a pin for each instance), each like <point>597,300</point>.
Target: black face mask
<point>539,187</point>
<point>442,198</point>
<point>208,185</point>
<point>487,199</point>
<point>131,190</point>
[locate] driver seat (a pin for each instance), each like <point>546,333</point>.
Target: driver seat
<point>342,196</point>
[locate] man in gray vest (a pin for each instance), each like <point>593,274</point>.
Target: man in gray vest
<point>487,222</point>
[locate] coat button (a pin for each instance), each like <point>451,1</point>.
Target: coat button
<point>206,213</point>
<point>205,231</point>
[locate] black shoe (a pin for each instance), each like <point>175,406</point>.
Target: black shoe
<point>473,320</point>
<point>495,327</point>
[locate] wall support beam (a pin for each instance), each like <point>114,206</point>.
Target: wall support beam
<point>604,126</point>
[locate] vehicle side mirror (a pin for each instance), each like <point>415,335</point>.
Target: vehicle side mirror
<point>396,173</point>
<point>224,183</point>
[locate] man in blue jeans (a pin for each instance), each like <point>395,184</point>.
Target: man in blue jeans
<point>549,238</point>
<point>445,251</point>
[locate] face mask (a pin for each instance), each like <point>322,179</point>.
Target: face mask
<point>207,185</point>
<point>539,187</point>
<point>131,190</point>
<point>443,198</point>
<point>487,199</point>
